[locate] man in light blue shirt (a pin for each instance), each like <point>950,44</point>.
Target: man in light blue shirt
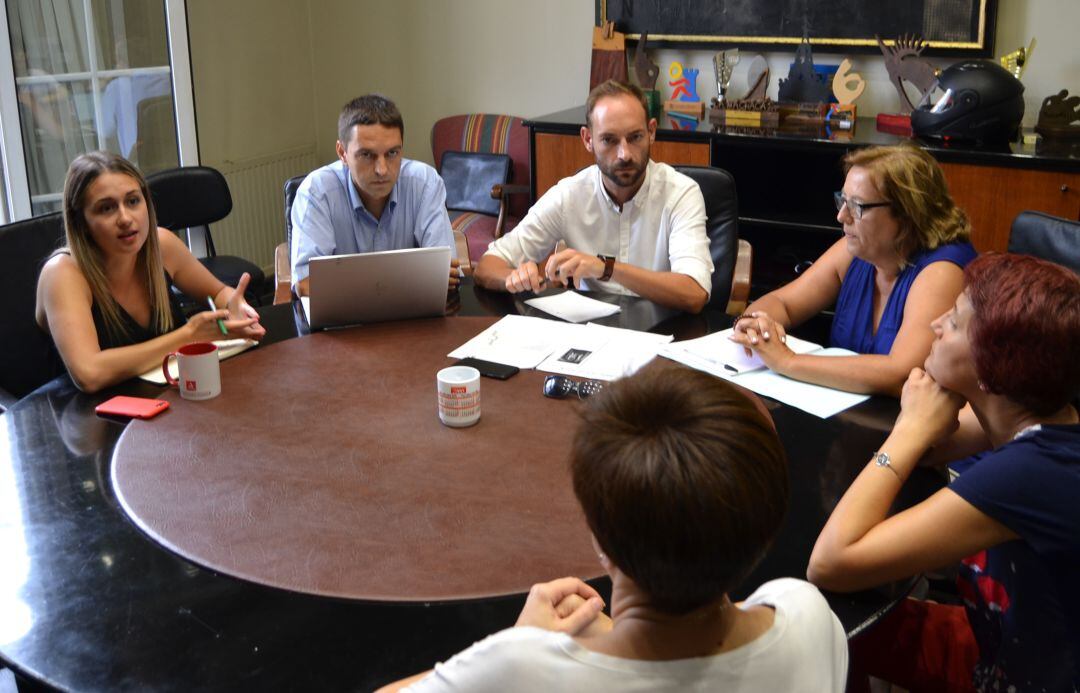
<point>371,199</point>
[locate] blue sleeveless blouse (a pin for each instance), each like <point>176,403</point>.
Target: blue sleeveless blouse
<point>853,326</point>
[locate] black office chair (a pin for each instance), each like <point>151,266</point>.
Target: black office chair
<point>283,252</point>
<point>731,256</point>
<point>194,196</point>
<point>1051,238</point>
<point>27,359</point>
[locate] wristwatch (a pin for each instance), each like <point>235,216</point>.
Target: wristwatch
<point>609,266</point>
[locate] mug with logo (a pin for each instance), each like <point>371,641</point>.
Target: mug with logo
<point>459,396</point>
<point>199,369</point>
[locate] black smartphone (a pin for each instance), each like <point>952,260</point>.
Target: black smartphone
<point>489,368</point>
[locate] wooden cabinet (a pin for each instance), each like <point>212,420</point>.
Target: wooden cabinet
<point>992,196</point>
<point>556,156</point>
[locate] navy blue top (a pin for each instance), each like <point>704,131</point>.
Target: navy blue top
<point>1023,596</point>
<point>853,326</point>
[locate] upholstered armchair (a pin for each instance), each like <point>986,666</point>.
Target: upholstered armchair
<point>494,169</point>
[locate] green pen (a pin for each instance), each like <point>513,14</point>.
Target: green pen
<point>220,322</point>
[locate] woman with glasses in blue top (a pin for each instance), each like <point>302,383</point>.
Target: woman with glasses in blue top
<point>899,265</point>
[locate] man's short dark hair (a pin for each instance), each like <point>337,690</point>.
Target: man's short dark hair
<point>683,482</point>
<point>369,109</point>
<point>614,87</point>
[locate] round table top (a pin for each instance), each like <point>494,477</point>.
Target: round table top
<point>323,468</point>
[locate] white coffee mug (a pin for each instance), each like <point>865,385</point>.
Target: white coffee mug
<point>459,396</point>
<point>199,369</point>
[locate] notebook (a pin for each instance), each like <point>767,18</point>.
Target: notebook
<point>374,287</point>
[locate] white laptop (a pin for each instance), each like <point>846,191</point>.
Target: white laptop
<point>373,287</point>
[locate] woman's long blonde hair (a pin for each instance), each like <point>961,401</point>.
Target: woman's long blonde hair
<point>83,171</point>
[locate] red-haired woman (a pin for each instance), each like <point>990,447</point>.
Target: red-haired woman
<point>1012,513</point>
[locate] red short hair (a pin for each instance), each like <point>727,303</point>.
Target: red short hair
<point>1025,329</point>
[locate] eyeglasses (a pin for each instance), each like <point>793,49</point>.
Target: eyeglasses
<point>559,387</point>
<point>856,208</point>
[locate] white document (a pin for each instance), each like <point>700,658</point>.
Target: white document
<point>603,353</point>
<point>517,340</point>
<point>717,354</point>
<point>227,348</point>
<point>814,399</point>
<point>305,303</point>
<point>574,307</point>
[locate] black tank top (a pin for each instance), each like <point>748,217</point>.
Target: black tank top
<point>135,333</point>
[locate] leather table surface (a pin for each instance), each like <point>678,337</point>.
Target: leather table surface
<point>323,468</point>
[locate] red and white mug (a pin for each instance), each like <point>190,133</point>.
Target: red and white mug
<point>199,369</point>
<point>459,396</point>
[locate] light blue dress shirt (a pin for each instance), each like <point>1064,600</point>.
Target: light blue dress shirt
<point>329,218</point>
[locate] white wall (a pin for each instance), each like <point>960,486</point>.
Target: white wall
<point>252,77</point>
<point>436,59</point>
<point>273,73</point>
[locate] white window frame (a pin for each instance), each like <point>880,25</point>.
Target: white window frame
<point>16,205</point>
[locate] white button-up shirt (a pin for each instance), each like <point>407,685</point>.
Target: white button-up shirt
<point>662,228</point>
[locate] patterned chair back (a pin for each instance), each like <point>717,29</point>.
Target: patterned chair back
<point>488,133</point>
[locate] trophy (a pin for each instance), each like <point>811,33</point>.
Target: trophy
<point>647,72</point>
<point>724,63</point>
<point>1016,61</point>
<point>904,63</point>
<point>847,86</point>
<point>684,102</point>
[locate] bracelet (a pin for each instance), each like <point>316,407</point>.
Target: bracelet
<point>745,315</point>
<point>881,459</point>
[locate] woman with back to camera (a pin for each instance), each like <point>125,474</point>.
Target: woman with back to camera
<point>898,266</point>
<point>1011,515</point>
<point>683,483</point>
<point>106,297</point>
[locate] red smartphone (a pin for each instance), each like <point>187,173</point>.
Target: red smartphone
<point>133,407</point>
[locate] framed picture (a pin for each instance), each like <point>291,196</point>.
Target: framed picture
<point>950,27</point>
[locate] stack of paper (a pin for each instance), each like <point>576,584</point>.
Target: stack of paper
<point>585,351</point>
<point>718,355</point>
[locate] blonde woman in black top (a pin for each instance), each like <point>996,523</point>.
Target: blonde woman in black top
<point>105,298</point>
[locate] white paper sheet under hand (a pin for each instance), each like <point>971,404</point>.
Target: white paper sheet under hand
<point>814,399</point>
<point>573,307</point>
<point>717,354</point>
<point>227,348</point>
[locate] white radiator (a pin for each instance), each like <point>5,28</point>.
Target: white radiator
<point>257,222</point>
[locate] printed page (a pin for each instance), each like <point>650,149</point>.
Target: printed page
<point>517,340</point>
<point>604,353</point>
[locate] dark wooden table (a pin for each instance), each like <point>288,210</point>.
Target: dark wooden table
<point>90,602</point>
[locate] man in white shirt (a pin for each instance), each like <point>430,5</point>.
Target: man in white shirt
<point>631,225</point>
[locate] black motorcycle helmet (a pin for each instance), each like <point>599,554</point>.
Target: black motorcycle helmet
<point>982,102</point>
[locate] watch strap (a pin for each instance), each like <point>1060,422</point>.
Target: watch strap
<point>609,266</point>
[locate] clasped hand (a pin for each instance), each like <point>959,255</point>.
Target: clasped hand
<point>560,269</point>
<point>758,333</point>
<point>927,410</point>
<point>566,605</point>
